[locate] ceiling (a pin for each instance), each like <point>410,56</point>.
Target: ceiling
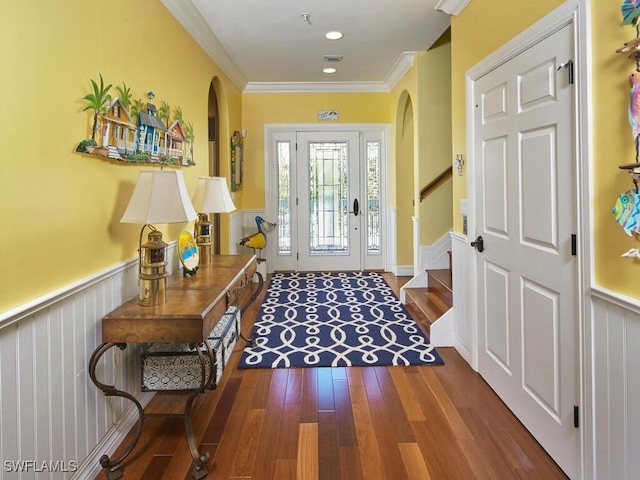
<point>271,46</point>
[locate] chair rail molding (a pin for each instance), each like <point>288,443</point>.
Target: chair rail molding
<point>452,7</point>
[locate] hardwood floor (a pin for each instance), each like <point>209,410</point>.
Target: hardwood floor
<point>369,423</point>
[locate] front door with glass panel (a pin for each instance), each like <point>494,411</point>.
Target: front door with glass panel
<point>329,200</point>
<point>328,192</point>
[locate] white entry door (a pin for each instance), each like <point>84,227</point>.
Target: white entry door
<point>525,212</point>
<point>329,201</point>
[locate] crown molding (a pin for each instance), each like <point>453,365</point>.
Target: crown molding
<point>315,87</point>
<point>185,12</point>
<point>452,7</point>
<point>399,70</point>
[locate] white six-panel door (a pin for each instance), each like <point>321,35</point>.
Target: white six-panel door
<point>526,214</point>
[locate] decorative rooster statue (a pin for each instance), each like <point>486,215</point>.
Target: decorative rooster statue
<point>258,240</point>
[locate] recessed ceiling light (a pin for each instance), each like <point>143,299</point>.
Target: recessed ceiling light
<point>333,35</point>
<point>329,70</point>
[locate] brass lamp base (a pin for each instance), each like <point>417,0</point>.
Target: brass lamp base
<point>153,269</point>
<point>203,239</point>
<point>153,291</point>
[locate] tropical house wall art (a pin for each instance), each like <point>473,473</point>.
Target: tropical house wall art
<point>133,131</point>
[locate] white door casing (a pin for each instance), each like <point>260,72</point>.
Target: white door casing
<point>525,210</point>
<point>369,147</point>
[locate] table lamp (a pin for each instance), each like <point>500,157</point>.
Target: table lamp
<point>211,196</point>
<point>160,196</point>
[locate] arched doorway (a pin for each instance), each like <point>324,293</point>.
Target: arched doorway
<point>214,154</point>
<point>405,191</point>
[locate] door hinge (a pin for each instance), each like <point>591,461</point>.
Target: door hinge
<point>297,256</point>
<point>576,416</point>
<point>568,65</point>
<point>296,201</point>
<point>574,244</point>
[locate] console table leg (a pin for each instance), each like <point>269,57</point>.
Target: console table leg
<point>115,465</point>
<point>252,341</point>
<point>199,461</point>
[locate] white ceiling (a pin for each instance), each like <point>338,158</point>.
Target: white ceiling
<point>264,45</point>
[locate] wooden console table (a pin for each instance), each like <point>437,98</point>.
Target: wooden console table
<point>194,305</point>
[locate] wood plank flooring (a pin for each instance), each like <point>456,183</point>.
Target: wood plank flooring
<point>369,423</point>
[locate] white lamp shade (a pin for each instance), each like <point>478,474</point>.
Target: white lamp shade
<point>160,196</point>
<point>212,196</point>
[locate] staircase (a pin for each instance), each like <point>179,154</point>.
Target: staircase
<point>433,301</point>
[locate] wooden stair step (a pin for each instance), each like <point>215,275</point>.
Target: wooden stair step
<point>442,277</point>
<point>428,302</point>
<point>440,281</point>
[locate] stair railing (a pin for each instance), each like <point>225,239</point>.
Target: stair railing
<point>433,184</point>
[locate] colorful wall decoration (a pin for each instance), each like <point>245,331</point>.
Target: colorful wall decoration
<point>135,131</point>
<point>627,207</point>
<point>236,161</point>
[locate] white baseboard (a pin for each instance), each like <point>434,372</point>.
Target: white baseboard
<point>91,467</point>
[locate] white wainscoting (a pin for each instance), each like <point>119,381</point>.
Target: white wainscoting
<point>461,258</point>
<point>614,370</point>
<point>51,411</point>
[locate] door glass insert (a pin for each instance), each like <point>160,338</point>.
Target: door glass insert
<point>374,239</point>
<point>328,196</point>
<point>283,149</point>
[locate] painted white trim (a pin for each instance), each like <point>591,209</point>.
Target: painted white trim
<point>415,223</point>
<point>316,87</point>
<point>614,298</point>
<point>560,17</point>
<point>185,12</point>
<point>90,467</point>
<point>436,256</point>
<point>419,280</point>
<point>464,296</point>
<point>403,270</point>
<point>392,243</point>
<point>83,424</point>
<point>431,257</point>
<point>271,131</point>
<point>398,71</point>
<point>441,332</point>
<point>31,308</point>
<point>571,12</point>
<point>452,7</point>
<point>26,310</point>
<point>554,21</point>
<point>586,275</point>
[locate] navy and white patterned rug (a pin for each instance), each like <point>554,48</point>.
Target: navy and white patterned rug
<point>335,320</point>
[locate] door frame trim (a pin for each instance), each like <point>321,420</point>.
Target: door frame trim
<point>389,230</point>
<point>572,12</point>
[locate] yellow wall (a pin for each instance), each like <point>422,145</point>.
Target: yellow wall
<point>613,146</point>
<point>259,109</point>
<point>482,27</point>
<point>487,24</point>
<point>434,138</point>
<point>405,167</point>
<point>60,210</point>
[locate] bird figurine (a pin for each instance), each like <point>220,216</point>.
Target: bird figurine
<point>630,10</point>
<point>258,240</point>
